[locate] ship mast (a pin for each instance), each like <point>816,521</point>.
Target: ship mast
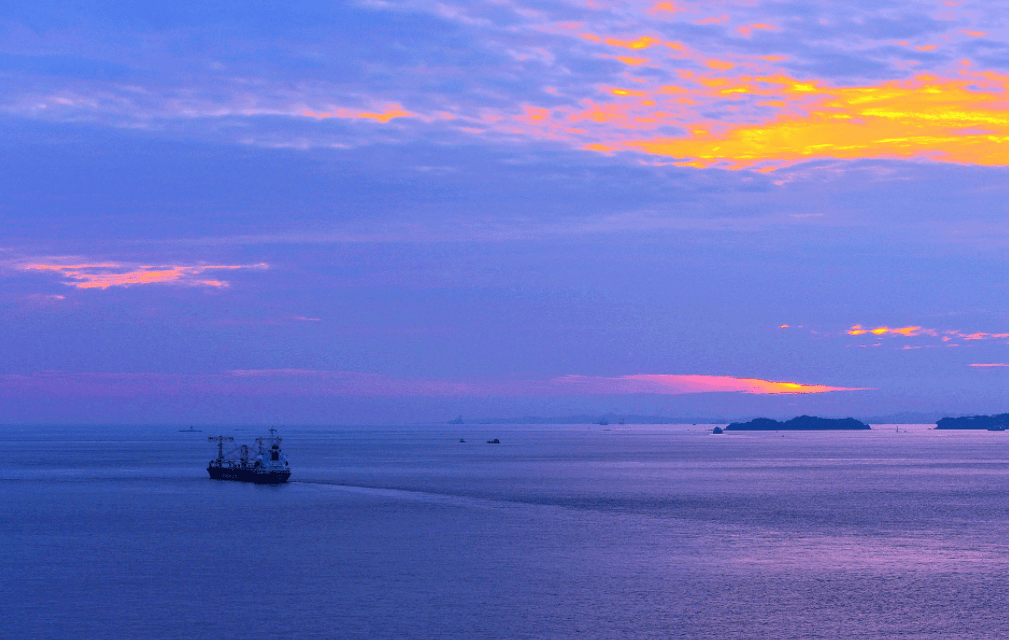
<point>220,445</point>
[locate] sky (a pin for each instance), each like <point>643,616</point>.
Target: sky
<point>396,211</point>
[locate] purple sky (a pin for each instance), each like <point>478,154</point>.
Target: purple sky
<point>384,211</point>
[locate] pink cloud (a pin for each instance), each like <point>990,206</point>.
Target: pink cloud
<point>110,274</point>
<point>681,384</point>
<point>307,382</point>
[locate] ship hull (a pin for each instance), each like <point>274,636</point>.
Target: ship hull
<point>248,475</point>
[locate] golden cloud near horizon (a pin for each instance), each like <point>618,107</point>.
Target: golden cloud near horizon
<point>670,384</point>
<point>359,384</point>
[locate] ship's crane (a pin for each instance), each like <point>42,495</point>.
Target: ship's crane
<point>220,445</point>
<point>273,438</point>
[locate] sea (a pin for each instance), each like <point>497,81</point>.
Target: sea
<point>558,531</point>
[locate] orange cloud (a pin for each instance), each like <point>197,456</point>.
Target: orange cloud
<point>916,330</point>
<point>770,119</point>
<point>721,65</point>
<point>668,7</point>
<point>906,331</point>
<point>392,111</point>
<point>962,121</point>
<point>749,28</point>
<point>630,60</point>
<point>857,330</point>
<point>110,274</point>
<point>535,114</point>
<point>641,43</point>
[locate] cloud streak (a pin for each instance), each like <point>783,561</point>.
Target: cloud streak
<point>666,384</point>
<point>947,336</point>
<point>357,384</point>
<point>111,274</point>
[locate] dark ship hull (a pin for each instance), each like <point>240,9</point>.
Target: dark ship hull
<point>248,475</point>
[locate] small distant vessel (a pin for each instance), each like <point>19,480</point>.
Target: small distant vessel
<point>457,421</point>
<point>266,465</point>
<point>603,422</point>
<point>190,430</point>
<point>494,441</point>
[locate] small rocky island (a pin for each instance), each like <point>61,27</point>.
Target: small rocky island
<point>991,423</point>
<point>802,423</point>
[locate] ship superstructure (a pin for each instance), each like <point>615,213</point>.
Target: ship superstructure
<point>264,463</point>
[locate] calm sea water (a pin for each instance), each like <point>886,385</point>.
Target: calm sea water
<point>557,532</point>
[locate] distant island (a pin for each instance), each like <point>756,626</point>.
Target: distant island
<point>991,423</point>
<point>802,423</point>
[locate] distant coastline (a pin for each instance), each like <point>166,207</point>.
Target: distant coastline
<point>802,423</point>
<point>998,422</point>
<point>631,419</point>
<point>612,418</point>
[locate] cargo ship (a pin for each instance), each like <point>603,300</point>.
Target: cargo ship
<point>263,464</point>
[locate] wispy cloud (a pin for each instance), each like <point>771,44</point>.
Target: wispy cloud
<point>680,384</point>
<point>112,274</point>
<point>858,330</point>
<point>358,384</point>
<point>947,335</point>
<point>388,113</point>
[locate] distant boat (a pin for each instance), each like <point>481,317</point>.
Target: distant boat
<point>494,441</point>
<point>603,422</point>
<point>621,420</point>
<point>190,430</point>
<point>457,421</point>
